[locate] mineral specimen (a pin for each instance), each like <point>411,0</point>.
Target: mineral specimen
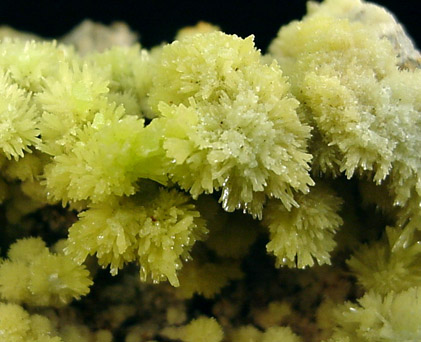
<point>232,196</point>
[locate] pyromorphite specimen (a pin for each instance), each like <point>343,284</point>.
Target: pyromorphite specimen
<point>232,196</point>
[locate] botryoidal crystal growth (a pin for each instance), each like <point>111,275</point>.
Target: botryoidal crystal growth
<point>204,191</point>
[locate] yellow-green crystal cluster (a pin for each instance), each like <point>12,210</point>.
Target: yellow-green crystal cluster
<point>181,163</point>
<point>230,122</point>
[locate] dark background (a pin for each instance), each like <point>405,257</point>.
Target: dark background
<point>157,21</point>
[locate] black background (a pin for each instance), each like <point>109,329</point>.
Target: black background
<point>157,21</point>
